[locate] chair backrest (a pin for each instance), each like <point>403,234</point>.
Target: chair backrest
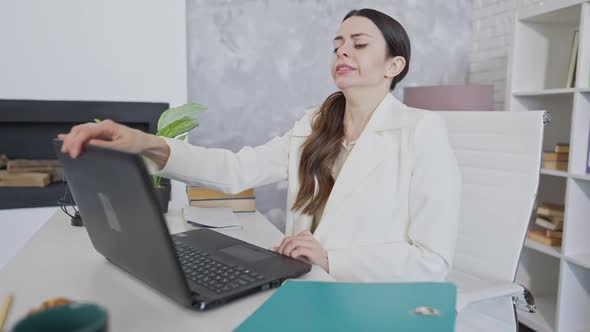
<point>499,154</point>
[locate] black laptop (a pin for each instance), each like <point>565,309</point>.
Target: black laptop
<point>199,269</point>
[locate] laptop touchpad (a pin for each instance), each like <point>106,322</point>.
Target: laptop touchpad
<point>245,254</point>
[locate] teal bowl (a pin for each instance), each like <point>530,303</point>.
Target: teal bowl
<point>73,317</point>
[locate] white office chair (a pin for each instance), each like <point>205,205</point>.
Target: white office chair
<point>499,154</point>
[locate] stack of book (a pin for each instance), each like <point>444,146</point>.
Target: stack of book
<point>202,197</point>
<point>549,224</point>
<point>558,158</point>
<point>29,173</point>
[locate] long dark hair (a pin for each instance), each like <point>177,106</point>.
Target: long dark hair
<point>321,148</point>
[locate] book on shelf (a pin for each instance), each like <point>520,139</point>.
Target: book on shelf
<point>540,237</point>
<point>8,179</point>
<point>571,74</point>
<point>554,234</point>
<point>551,224</point>
<point>203,197</point>
<point>557,159</point>
<point>555,156</point>
<point>33,164</point>
<point>555,165</point>
<point>547,209</point>
<point>3,161</point>
<point>562,148</point>
<point>53,167</point>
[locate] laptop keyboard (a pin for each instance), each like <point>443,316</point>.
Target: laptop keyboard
<point>211,273</point>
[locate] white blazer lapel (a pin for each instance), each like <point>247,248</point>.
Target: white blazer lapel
<point>366,155</point>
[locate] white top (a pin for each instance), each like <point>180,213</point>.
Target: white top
<point>392,214</point>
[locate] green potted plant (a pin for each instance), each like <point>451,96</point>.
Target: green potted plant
<point>174,123</point>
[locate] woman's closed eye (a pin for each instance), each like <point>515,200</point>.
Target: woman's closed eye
<point>357,46</point>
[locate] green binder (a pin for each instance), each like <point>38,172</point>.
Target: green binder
<point>331,306</point>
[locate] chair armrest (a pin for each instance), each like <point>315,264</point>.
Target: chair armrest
<point>528,304</point>
<point>465,298</point>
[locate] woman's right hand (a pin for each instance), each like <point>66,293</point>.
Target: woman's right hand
<point>107,134</point>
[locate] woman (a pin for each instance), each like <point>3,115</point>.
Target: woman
<point>373,191</point>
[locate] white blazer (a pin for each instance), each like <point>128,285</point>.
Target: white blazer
<point>393,212</point>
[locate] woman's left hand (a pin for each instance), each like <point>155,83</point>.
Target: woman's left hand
<point>304,246</point>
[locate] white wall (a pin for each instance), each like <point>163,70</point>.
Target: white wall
<point>493,30</point>
<point>132,50</point>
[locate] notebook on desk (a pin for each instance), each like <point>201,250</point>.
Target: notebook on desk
<point>330,306</point>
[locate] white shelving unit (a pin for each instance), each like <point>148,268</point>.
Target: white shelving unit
<point>559,277</point>
<point>552,251</point>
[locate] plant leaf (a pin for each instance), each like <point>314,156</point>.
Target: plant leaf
<point>178,127</point>
<point>174,114</point>
<point>156,180</point>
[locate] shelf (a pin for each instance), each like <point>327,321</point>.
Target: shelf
<point>549,92</point>
<point>554,172</point>
<point>544,319</point>
<point>539,66</point>
<point>551,251</point>
<point>552,12</point>
<point>582,260</point>
<point>585,177</point>
<point>26,197</point>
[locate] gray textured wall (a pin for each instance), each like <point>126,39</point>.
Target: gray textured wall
<point>257,64</point>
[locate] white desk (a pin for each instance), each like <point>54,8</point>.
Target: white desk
<point>17,226</point>
<point>59,261</point>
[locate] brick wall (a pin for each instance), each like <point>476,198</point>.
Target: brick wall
<point>493,25</point>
